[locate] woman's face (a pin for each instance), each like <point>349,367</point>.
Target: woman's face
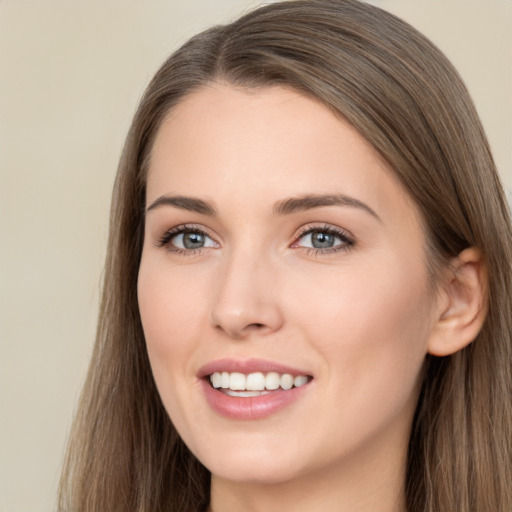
<point>280,251</point>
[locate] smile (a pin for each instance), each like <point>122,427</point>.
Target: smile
<point>255,384</point>
<point>252,389</point>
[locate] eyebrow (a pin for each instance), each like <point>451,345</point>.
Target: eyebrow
<point>191,204</point>
<point>284,207</point>
<point>308,202</point>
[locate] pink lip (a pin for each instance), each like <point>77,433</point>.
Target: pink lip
<point>249,408</point>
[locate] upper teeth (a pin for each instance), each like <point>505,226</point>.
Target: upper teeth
<point>256,381</point>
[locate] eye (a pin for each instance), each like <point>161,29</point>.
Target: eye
<point>192,240</point>
<point>186,239</point>
<point>326,239</point>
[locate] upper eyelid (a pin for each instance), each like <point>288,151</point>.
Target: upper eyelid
<point>302,231</point>
<point>348,241</point>
<point>299,232</point>
<point>183,228</point>
<point>308,228</point>
<point>167,235</point>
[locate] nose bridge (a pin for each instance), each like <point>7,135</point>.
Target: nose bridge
<point>246,300</point>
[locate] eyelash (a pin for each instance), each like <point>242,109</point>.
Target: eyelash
<point>347,240</point>
<point>165,239</point>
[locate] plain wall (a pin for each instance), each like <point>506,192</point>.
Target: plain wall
<point>71,73</point>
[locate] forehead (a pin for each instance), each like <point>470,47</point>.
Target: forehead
<point>224,142</point>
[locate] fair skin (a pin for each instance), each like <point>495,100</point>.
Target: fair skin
<point>337,289</point>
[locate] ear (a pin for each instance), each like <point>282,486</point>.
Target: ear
<point>461,307</point>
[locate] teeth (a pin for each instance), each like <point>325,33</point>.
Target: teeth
<point>286,381</point>
<point>272,380</point>
<point>254,384</point>
<point>300,380</point>
<point>237,381</point>
<point>216,380</point>
<point>245,394</point>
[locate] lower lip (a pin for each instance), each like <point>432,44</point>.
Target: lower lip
<point>250,408</point>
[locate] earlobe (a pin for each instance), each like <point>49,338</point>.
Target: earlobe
<point>462,304</point>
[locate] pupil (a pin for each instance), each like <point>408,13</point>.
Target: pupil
<point>193,240</point>
<point>322,240</point>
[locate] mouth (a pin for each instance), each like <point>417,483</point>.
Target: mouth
<point>238,384</point>
<point>252,389</point>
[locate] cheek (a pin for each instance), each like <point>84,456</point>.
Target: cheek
<point>389,301</point>
<point>371,328</point>
<point>172,324</point>
<point>171,321</point>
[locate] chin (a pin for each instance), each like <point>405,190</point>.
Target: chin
<point>252,466</point>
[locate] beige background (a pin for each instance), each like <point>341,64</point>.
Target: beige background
<point>71,73</point>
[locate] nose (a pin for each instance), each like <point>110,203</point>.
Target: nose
<point>247,299</point>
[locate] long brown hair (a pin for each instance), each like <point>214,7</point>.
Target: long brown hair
<point>406,99</point>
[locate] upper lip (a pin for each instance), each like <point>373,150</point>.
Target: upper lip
<point>247,366</point>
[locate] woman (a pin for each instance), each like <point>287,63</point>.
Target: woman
<point>307,292</point>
